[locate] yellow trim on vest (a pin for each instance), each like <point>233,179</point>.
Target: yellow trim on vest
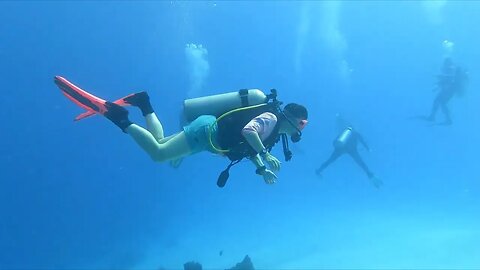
<point>220,118</point>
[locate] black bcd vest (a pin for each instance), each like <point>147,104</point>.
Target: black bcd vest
<point>229,135</point>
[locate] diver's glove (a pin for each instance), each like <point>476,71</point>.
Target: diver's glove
<point>272,161</point>
<point>268,176</point>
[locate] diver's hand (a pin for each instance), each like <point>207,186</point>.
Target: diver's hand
<point>269,177</point>
<point>273,162</point>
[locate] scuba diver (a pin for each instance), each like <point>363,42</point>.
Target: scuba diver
<point>346,143</point>
<point>238,125</point>
<point>451,81</point>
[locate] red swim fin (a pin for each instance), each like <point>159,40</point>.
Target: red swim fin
<point>91,103</point>
<point>80,97</point>
<point>86,114</point>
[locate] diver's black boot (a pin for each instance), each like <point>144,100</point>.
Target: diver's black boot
<point>140,100</point>
<point>118,115</point>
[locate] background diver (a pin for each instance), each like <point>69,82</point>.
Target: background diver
<point>452,80</point>
<point>250,132</point>
<point>346,143</point>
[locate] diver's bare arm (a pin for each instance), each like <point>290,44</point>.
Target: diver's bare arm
<point>257,161</point>
<point>254,140</point>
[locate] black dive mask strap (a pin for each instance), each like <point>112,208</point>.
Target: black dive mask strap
<point>286,150</point>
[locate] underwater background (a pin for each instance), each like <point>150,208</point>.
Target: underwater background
<point>82,194</point>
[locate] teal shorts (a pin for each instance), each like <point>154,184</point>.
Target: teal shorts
<point>198,133</point>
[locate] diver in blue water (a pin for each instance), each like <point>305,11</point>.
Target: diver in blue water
<point>452,80</point>
<point>245,124</point>
<point>346,143</point>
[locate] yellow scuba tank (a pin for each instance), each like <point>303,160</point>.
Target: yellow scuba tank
<point>219,104</point>
<point>342,140</point>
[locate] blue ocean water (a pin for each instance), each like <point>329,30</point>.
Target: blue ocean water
<point>82,195</point>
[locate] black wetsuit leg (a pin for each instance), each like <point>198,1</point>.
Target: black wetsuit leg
<point>447,96</point>
<point>441,101</point>
<point>356,156</point>
<point>336,154</point>
<point>446,112</point>
<point>436,104</point>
